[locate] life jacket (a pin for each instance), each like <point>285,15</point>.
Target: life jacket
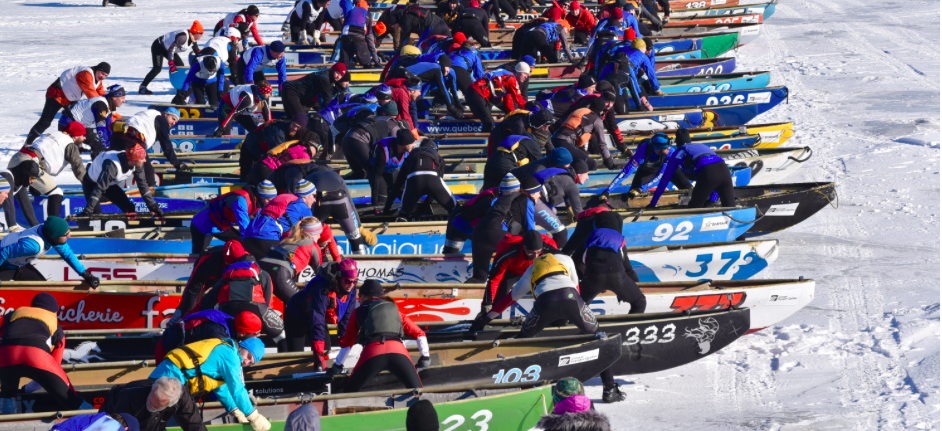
<point>168,39</point>
<point>284,153</point>
<point>48,318</point>
<point>299,10</point>
<point>220,208</point>
<point>390,162</point>
<point>546,266</point>
<point>238,277</point>
<point>143,122</point>
<point>653,162</point>
<point>281,255</point>
<point>550,189</point>
<point>204,73</point>
<point>95,168</point>
<point>552,31</point>
<point>191,357</point>
<point>232,98</point>
<point>606,238</point>
<point>51,147</point>
<point>82,111</point>
<point>510,145</point>
<point>591,212</point>
<point>377,127</point>
<point>70,86</point>
<point>32,233</point>
<point>221,45</point>
<point>576,124</point>
<point>383,322</point>
<point>278,208</point>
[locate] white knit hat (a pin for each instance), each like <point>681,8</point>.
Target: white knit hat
<point>509,183</point>
<point>522,67</point>
<point>267,190</point>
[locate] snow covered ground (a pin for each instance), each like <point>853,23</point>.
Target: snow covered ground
<point>864,87</point>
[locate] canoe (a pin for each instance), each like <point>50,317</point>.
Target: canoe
<point>516,405</point>
<point>651,263</point>
<point>766,98</point>
<point>766,10</point>
<point>688,21</point>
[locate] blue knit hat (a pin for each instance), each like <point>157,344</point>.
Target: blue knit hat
<point>277,46</point>
<point>173,112</point>
<point>660,141</point>
<point>267,190</point>
<point>304,188</point>
<point>45,301</point>
<point>561,157</point>
<point>509,183</point>
<point>254,345</point>
<point>528,60</point>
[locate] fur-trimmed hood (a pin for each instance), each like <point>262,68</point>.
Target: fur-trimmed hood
<point>585,421</point>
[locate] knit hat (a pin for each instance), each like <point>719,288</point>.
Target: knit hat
<point>173,112</point>
<point>580,166</point>
<point>532,240</point>
<point>404,137</point>
<point>410,50</point>
<point>530,185</point>
<point>561,157</point>
<point>75,129</point>
<point>459,38</point>
<point>475,3</point>
<point>248,322</point>
<point>196,28</point>
<point>256,346</point>
<point>348,268</point>
<point>444,60</point>
<point>638,44</point>
<point>300,119</point>
<point>55,227</point>
<point>540,118</point>
<point>252,10</point>
<point>597,105</point>
<point>529,60</point>
<point>682,137</point>
<point>585,81</point>
<point>660,141</point>
<point>630,7</point>
<point>232,251</point>
<point>522,67</point>
<point>608,96</point>
<point>609,220</point>
<point>509,183</point>
<point>383,92</point>
<point>617,14</point>
<point>103,67</point>
<point>45,301</point>
<point>277,46</point>
<point>422,417</point>
<point>266,189</point>
<point>390,109</point>
<point>566,388</point>
<point>4,185</point>
<point>117,91</point>
<point>304,188</point>
<point>313,229</point>
<point>339,67</point>
<point>372,287</point>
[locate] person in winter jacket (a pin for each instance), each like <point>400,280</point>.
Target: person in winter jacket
<point>245,287</point>
<point>699,163</point>
<point>221,213</point>
<point>497,87</point>
<point>71,86</point>
<point>313,91</point>
<point>106,176</point>
<point>31,346</point>
<point>244,20</point>
<point>97,115</point>
<point>574,414</point>
<point>219,372</point>
<point>557,11</point>
<point>466,64</point>
<point>648,165</point>
<point>582,22</point>
<point>100,421</point>
<point>275,221</point>
<point>379,326</point>
<point>153,403</point>
<point>579,129</point>
<point>300,250</point>
<point>51,154</point>
<point>207,270</point>
<point>357,41</point>
<point>474,22</point>
<point>561,186</point>
<point>304,418</point>
<point>206,77</point>
<point>533,123</point>
<point>261,145</point>
<point>514,151</point>
<point>238,105</point>
<point>389,155</point>
<point>404,93</point>
<point>360,141</point>
<point>173,47</point>
<point>334,202</point>
<point>147,128</point>
<point>250,67</point>
<point>609,117</point>
<point>329,298</point>
<point>419,20</point>
<point>513,256</point>
<point>541,41</point>
<point>421,175</point>
<point>306,19</point>
<point>461,220</point>
<point>438,80</point>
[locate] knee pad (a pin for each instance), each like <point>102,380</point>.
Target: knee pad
<point>456,244</point>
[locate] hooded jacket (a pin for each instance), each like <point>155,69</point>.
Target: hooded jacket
<point>585,421</point>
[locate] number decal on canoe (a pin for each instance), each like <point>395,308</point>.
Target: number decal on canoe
<point>696,5</point>
<point>710,88</point>
<point>650,335</point>
<point>726,100</point>
<point>480,418</point>
<point>711,70</point>
<point>531,374</point>
<point>665,231</point>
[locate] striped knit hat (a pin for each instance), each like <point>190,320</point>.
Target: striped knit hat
<point>267,190</point>
<point>4,185</point>
<point>304,188</point>
<point>509,183</point>
<point>313,229</point>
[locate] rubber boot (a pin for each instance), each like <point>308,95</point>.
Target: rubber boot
<point>611,394</point>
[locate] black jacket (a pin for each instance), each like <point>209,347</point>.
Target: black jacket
<point>132,399</point>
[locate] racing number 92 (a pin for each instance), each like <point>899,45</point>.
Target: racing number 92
<point>665,230</point>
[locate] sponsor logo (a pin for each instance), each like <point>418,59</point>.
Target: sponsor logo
<point>782,210</point>
<point>763,97</point>
<point>714,223</point>
<point>717,301</point>
<point>782,298</point>
<point>578,358</point>
<point>82,353</point>
<point>703,334</point>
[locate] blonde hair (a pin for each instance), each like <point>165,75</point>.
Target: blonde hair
<point>297,233</point>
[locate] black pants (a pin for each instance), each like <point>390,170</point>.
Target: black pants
<point>244,120</point>
<point>484,240</point>
<point>23,273</point>
<point>713,177</point>
<point>272,325</point>
<point>357,154</point>
<point>297,26</point>
<point>577,153</point>
<point>580,37</point>
<point>248,156</point>
<point>463,79</point>
<point>609,274</point>
<point>679,180</point>
<point>157,55</point>
<point>454,238</point>
<point>258,247</point>
<point>258,173</point>
<point>354,46</point>
<point>298,333</point>
<point>238,72</point>
<point>50,109</point>
<point>200,241</point>
<point>508,8</point>
<point>397,364</point>
<point>201,92</point>
<point>535,45</point>
<point>473,29</point>
<point>61,390</point>
<point>481,109</point>
<point>114,193</point>
<point>292,101</point>
<point>431,186</point>
<point>342,212</point>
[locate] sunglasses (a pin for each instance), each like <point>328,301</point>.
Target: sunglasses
<point>350,280</point>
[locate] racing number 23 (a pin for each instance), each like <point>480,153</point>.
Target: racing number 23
<point>665,230</point>
<point>480,418</point>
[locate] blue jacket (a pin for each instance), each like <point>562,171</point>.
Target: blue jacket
<point>29,247</point>
<point>636,161</point>
<point>630,20</point>
<point>606,238</point>
<point>225,364</point>
<point>260,56</point>
<point>447,83</point>
<point>468,60</point>
<point>96,422</point>
<point>195,68</point>
<point>691,158</point>
<point>644,62</point>
<point>318,300</point>
<point>295,212</point>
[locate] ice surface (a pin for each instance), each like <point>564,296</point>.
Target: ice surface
<point>864,93</point>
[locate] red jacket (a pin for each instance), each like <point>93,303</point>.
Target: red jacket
<point>349,338</point>
<point>252,25</point>
<point>510,256</point>
<point>402,99</point>
<point>508,83</point>
<point>584,22</point>
<point>555,12</point>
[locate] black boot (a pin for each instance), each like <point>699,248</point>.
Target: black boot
<point>611,394</point>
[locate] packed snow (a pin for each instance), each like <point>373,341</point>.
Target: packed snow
<point>864,87</point>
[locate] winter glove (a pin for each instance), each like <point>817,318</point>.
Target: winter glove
<point>480,322</point>
<point>155,209</point>
<point>90,278</point>
<point>423,363</point>
<point>634,192</point>
<point>335,369</point>
<point>183,167</point>
<point>368,236</point>
<point>604,197</point>
<point>258,422</point>
<point>609,163</point>
<point>173,67</point>
<point>627,153</point>
<point>240,416</point>
<point>317,37</point>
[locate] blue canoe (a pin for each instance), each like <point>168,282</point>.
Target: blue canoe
<point>73,203</point>
<point>766,98</point>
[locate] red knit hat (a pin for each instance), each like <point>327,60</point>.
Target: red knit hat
<point>339,67</point>
<point>618,14</point>
<point>196,28</point>
<point>575,6</point>
<point>136,153</point>
<point>248,322</point>
<point>460,38</point>
<point>75,129</point>
<point>232,250</point>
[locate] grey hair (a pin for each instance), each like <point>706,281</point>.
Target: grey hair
<point>169,388</point>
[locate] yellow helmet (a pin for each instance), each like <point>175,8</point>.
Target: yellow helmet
<point>410,50</point>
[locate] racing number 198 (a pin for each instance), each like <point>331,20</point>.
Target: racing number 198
<point>665,231</point>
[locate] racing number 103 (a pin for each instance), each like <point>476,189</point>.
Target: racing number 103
<point>513,375</point>
<point>665,230</point>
